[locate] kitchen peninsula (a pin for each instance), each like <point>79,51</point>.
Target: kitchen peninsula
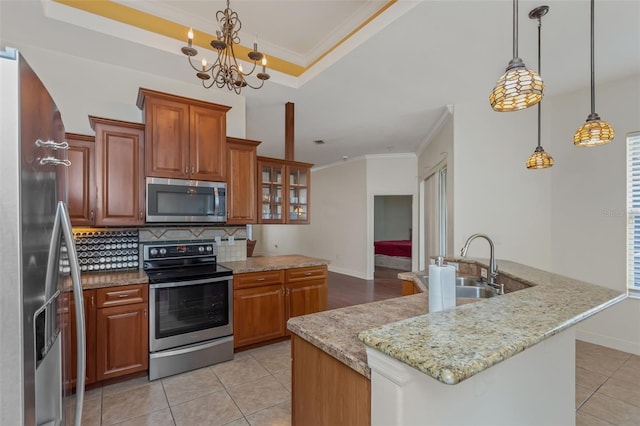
<point>461,352</point>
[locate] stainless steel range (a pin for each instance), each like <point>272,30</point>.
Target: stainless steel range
<point>190,306</point>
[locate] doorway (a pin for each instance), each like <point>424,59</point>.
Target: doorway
<point>392,229</point>
<point>434,211</point>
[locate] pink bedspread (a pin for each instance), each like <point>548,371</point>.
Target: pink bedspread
<point>400,248</point>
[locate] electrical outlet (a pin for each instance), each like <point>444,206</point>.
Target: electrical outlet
<point>483,273</point>
<point>232,240</point>
<point>218,240</point>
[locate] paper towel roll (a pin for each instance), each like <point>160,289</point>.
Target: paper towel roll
<point>442,287</point>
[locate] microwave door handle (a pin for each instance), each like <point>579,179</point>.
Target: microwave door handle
<point>216,202</point>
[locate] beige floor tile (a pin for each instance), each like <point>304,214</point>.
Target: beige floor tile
<point>582,393</point>
<point>126,386</point>
<point>278,415</point>
<point>587,420</point>
<point>612,410</point>
<point>274,360</point>
<point>630,371</point>
<point>91,411</point>
<point>599,358</point>
<point>624,390</point>
<point>284,377</point>
<point>240,370</point>
<point>93,394</point>
<point>191,385</point>
<point>589,379</point>
<point>240,422</point>
<point>258,394</point>
<point>157,418</point>
<point>213,409</point>
<point>133,403</point>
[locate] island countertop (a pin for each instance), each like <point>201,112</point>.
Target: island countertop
<point>271,263</point>
<point>454,345</point>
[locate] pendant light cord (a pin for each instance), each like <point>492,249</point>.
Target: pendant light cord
<point>515,29</point>
<point>539,73</point>
<point>593,66</point>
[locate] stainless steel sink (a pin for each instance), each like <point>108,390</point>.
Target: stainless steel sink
<point>468,287</point>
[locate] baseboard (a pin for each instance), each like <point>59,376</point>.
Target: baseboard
<point>608,341</point>
<point>350,272</point>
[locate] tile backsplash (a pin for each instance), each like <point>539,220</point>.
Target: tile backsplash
<point>231,241</point>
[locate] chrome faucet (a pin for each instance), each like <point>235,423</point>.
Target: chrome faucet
<point>493,267</point>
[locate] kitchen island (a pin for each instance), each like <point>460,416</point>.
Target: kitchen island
<point>446,348</point>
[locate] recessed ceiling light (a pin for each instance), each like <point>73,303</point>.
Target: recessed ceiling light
<point>345,157</point>
<point>319,142</point>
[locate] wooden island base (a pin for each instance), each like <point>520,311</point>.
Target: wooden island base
<point>325,391</point>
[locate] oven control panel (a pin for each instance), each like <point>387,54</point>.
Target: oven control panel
<point>180,251</point>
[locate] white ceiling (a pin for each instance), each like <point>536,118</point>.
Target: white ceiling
<point>383,90</point>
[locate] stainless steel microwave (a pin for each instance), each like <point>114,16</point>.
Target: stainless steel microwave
<point>178,200</point>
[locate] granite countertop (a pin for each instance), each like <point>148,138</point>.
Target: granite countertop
<point>336,331</point>
<point>271,263</point>
<point>91,280</point>
<point>453,345</point>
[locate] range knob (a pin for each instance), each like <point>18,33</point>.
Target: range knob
<point>209,248</point>
<point>153,252</point>
<point>201,249</point>
<point>163,251</point>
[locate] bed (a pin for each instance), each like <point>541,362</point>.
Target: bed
<point>394,254</point>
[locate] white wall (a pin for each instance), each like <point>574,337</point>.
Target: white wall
<point>83,87</point>
<point>495,193</point>
<point>588,206</point>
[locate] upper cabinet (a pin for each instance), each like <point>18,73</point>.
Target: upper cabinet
<point>120,192</point>
<point>185,138</point>
<point>241,181</point>
<point>81,179</point>
<point>284,191</point>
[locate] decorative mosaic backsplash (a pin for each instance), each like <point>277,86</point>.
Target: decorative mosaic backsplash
<point>231,242</point>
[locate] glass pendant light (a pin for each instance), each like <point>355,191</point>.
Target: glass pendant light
<point>539,159</point>
<point>519,87</point>
<point>594,131</point>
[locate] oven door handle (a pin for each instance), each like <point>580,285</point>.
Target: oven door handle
<point>191,282</point>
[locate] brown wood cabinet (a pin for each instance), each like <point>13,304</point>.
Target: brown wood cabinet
<point>122,330</point>
<point>241,181</point>
<point>120,187</point>
<point>71,336</point>
<point>185,138</point>
<point>284,191</point>
<point>81,178</point>
<point>264,301</point>
<point>258,307</point>
<point>324,390</point>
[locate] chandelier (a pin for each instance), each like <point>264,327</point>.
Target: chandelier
<point>226,71</point>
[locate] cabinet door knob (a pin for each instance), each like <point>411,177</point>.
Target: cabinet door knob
<point>193,169</point>
<point>141,215</point>
<point>186,170</point>
<point>93,301</point>
<point>91,216</point>
<point>145,312</point>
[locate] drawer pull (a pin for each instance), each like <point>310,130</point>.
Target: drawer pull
<point>260,279</point>
<point>123,295</point>
<point>307,273</point>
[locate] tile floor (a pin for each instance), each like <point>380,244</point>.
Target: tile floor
<point>255,389</point>
<point>607,386</point>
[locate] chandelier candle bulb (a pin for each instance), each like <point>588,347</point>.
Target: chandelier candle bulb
<point>190,37</point>
<point>204,64</point>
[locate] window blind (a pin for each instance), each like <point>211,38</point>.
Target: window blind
<point>633,213</point>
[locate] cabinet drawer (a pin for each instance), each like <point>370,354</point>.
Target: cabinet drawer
<point>306,273</point>
<point>254,279</point>
<point>123,295</point>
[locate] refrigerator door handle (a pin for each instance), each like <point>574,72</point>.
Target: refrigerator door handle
<point>67,231</point>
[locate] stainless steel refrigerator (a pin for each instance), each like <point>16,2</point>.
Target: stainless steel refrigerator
<point>39,272</point>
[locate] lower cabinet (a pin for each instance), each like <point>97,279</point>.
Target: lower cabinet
<point>122,330</point>
<point>117,332</point>
<point>264,301</point>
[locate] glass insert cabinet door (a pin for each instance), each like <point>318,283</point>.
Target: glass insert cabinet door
<point>271,192</point>
<point>298,203</point>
